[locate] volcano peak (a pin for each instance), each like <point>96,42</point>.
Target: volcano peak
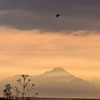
<point>58,69</point>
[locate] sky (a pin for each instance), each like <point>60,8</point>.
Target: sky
<point>33,40</point>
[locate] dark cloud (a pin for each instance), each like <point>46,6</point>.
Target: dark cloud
<point>40,14</point>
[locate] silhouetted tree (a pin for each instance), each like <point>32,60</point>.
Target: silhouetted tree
<point>7,91</point>
<point>24,82</point>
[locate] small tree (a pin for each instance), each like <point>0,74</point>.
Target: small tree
<point>25,84</point>
<point>7,91</point>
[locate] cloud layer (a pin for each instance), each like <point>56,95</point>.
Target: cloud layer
<point>35,14</point>
<point>32,52</point>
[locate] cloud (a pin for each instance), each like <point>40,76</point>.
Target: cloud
<point>35,14</point>
<point>30,50</point>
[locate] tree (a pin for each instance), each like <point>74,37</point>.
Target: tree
<point>24,82</point>
<point>7,91</point>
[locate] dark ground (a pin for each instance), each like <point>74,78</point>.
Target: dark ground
<point>55,99</point>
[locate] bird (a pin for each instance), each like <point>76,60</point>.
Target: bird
<point>57,15</point>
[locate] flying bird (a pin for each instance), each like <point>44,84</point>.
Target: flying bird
<point>57,15</point>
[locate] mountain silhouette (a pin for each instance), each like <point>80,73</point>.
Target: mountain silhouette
<point>58,69</point>
<point>56,74</point>
<point>57,83</point>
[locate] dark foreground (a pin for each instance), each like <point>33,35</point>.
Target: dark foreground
<point>52,99</point>
<point>63,99</point>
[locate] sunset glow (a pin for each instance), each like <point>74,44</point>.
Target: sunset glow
<point>33,52</point>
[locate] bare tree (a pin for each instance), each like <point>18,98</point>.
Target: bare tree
<point>24,82</point>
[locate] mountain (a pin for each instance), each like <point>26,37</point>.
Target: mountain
<point>56,74</point>
<point>74,88</point>
<point>57,83</point>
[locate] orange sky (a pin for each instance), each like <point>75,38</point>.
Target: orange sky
<point>34,52</point>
